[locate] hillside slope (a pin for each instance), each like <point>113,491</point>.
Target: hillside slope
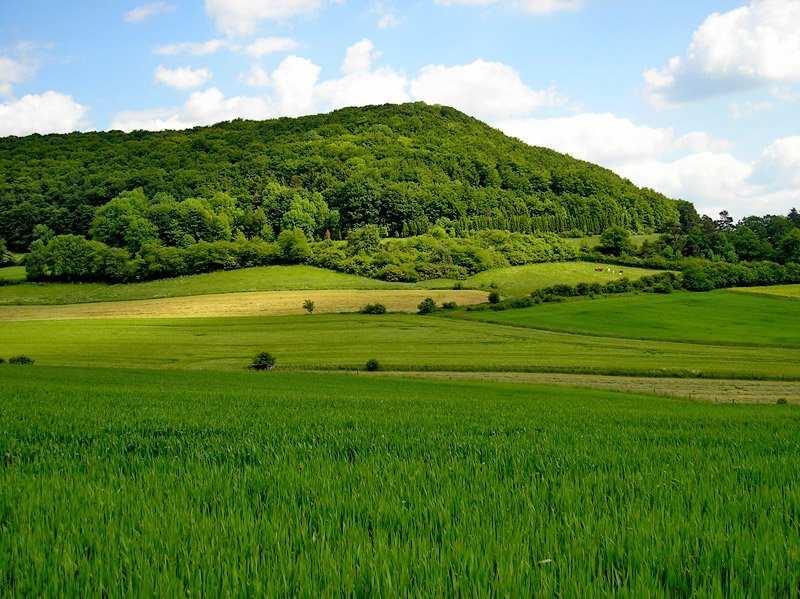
<point>402,167</point>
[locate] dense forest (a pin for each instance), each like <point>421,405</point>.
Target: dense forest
<point>403,168</point>
<point>400,192</point>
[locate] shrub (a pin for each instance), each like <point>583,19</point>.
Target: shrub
<point>494,297</point>
<point>308,306</point>
<point>426,306</point>
<point>372,365</point>
<point>263,361</point>
<point>449,305</point>
<point>373,309</point>
<point>2,360</point>
<point>20,360</point>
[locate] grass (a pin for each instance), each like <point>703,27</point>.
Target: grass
<point>718,318</point>
<point>784,291</point>
<point>515,280</point>
<point>398,342</point>
<point>267,278</point>
<point>12,273</point>
<point>522,280</point>
<point>258,303</point>
<point>123,482</point>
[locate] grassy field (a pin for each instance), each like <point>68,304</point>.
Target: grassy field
<point>516,281</point>
<point>267,278</point>
<point>259,303</point>
<point>719,317</point>
<point>124,482</point>
<point>521,280</point>
<point>785,291</point>
<point>399,342</point>
<point>12,273</point>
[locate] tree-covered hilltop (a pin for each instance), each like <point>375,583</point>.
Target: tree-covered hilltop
<point>403,168</point>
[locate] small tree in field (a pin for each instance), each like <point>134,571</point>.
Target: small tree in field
<point>373,365</point>
<point>308,306</point>
<point>426,306</point>
<point>263,361</point>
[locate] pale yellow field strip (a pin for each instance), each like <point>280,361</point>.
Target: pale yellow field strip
<point>261,303</point>
<point>719,391</point>
<point>788,291</point>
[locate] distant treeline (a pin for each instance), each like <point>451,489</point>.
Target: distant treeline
<point>404,168</point>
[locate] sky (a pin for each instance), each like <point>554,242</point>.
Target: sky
<point>698,99</point>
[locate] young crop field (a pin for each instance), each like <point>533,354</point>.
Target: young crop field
<point>397,341</point>
<point>124,482</point>
<point>719,317</point>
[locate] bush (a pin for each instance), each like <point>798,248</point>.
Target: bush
<point>494,297</point>
<point>20,360</point>
<point>2,360</point>
<point>372,365</point>
<point>426,306</point>
<point>263,361</point>
<point>373,309</point>
<point>449,305</point>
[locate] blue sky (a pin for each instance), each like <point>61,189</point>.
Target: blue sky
<point>699,99</point>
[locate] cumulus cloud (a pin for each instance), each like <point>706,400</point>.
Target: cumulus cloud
<point>694,166</point>
<point>534,7</point>
<point>749,47</point>
<point>50,112</point>
<point>270,45</point>
<point>192,48</point>
<point>487,90</point>
<point>183,77</point>
<point>142,13</point>
<point>241,17</point>
<point>13,71</point>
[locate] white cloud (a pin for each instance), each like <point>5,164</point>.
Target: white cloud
<point>193,48</point>
<point>183,77</point>
<point>294,82</point>
<point>388,21</point>
<point>50,112</point>
<point>13,71</point>
<point>202,108</point>
<point>359,57</point>
<point>241,17</point>
<point>257,76</point>
<point>146,11</point>
<point>749,47</point>
<point>534,7</point>
<point>270,45</point>
<point>748,109</point>
<point>782,159</point>
<point>487,90</point>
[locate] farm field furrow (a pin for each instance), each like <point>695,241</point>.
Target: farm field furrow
<point>718,317</point>
<point>314,484</point>
<point>398,342</point>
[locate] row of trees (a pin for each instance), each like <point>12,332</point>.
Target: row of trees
<point>434,255</point>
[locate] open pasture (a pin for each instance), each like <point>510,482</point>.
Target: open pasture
<point>12,273</point>
<point>397,341</point>
<point>716,318</point>
<point>522,280</point>
<point>310,484</point>
<point>260,303</point>
<point>784,291</point>
<point>265,278</point>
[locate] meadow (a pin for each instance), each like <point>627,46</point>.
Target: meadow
<point>722,317</point>
<point>785,291</point>
<point>328,484</point>
<point>510,281</point>
<point>398,341</point>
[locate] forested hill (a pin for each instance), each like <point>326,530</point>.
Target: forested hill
<point>402,167</point>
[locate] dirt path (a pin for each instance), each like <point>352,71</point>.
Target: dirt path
<point>261,303</point>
